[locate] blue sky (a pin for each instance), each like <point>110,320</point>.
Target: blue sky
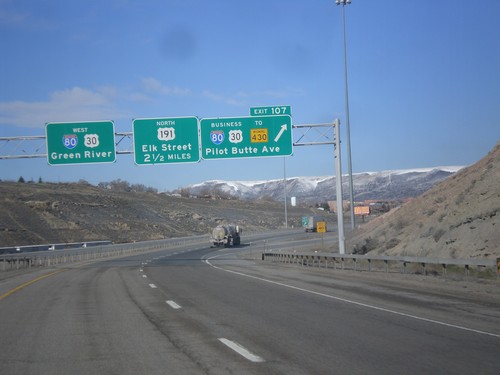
<point>424,78</point>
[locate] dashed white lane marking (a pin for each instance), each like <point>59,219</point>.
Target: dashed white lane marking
<point>241,350</point>
<point>153,286</point>
<point>144,276</point>
<point>173,305</point>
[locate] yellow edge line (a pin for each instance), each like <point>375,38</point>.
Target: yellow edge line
<point>18,288</point>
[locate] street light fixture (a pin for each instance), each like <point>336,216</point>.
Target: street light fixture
<point>348,129</point>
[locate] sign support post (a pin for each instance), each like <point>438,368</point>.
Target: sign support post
<point>338,179</point>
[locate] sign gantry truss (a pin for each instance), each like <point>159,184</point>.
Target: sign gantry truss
<point>23,147</point>
<point>314,134</point>
<point>28,147</point>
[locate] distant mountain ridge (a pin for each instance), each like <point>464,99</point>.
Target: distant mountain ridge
<point>385,185</point>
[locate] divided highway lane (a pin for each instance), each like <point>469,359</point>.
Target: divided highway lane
<point>220,311</point>
<point>95,318</point>
<point>294,321</point>
<point>85,320</point>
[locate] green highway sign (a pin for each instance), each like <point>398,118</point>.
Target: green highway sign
<point>242,137</point>
<point>271,111</point>
<point>80,142</point>
<point>166,140</point>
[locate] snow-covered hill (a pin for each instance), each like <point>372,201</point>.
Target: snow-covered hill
<point>385,185</point>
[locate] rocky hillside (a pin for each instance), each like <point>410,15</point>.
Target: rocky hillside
<point>58,213</point>
<point>457,218</point>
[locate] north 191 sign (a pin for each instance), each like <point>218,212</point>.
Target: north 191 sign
<point>166,140</point>
<point>256,136</point>
<point>80,142</point>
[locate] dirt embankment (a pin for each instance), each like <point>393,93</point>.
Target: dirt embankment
<point>457,218</point>
<point>45,213</point>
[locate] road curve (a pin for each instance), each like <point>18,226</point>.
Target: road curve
<point>223,311</point>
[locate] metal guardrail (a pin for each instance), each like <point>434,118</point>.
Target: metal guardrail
<point>380,263</point>
<point>68,256</point>
<point>53,246</point>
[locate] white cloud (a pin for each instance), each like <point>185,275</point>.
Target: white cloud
<point>74,104</point>
<point>12,17</point>
<point>81,104</point>
<point>111,103</point>
<point>243,99</point>
<point>285,93</point>
<point>153,86</point>
<point>230,100</point>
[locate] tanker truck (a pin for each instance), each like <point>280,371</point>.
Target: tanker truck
<point>226,235</point>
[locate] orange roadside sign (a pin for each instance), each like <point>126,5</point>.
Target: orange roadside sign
<point>321,226</point>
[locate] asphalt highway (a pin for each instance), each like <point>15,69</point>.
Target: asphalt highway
<point>224,311</point>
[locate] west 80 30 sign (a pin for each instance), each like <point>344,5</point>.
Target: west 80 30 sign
<point>80,142</point>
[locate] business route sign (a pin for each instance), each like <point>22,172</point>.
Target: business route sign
<point>166,140</point>
<point>80,142</point>
<point>243,137</point>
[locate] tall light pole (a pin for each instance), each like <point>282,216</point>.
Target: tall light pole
<point>348,129</point>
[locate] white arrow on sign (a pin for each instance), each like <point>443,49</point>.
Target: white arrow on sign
<point>282,130</point>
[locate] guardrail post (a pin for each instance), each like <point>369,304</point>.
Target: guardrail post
<point>424,269</point>
<point>386,266</point>
<point>467,270</point>
<point>444,269</point>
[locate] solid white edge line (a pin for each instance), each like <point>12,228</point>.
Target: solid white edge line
<point>207,261</point>
<point>173,304</point>
<point>241,350</point>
